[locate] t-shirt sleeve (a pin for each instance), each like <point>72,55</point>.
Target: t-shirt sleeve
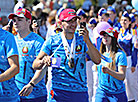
<point>47,46</point>
<point>38,45</point>
<point>122,60</point>
<point>11,47</point>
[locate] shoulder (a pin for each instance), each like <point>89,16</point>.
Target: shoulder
<point>5,34</point>
<point>55,37</point>
<point>120,53</point>
<point>36,37</point>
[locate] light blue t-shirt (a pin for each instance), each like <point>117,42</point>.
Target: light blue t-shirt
<point>28,49</point>
<point>108,83</point>
<point>8,89</point>
<point>64,77</point>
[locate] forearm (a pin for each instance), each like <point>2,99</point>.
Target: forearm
<point>9,73</point>
<point>37,64</point>
<point>117,75</point>
<point>39,74</point>
<point>93,52</point>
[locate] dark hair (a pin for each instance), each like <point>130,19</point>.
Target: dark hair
<point>113,50</point>
<point>106,14</point>
<point>114,46</point>
<point>84,15</point>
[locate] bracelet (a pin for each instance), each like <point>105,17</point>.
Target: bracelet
<point>32,84</point>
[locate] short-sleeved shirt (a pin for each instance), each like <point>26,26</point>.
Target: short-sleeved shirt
<point>108,83</point>
<point>8,89</point>
<point>64,77</point>
<point>28,49</point>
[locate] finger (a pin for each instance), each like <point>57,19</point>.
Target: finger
<point>25,92</point>
<point>21,92</point>
<point>28,93</point>
<point>82,32</point>
<point>49,60</point>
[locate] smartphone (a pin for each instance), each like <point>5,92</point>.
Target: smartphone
<point>82,24</point>
<point>10,25</point>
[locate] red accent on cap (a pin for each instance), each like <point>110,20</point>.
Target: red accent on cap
<point>110,31</point>
<point>21,13</point>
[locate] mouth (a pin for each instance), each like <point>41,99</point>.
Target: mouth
<point>105,40</point>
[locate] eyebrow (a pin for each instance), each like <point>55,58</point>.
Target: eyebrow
<point>74,19</point>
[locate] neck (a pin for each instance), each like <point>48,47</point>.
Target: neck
<point>69,35</point>
<point>23,34</point>
<point>107,48</point>
<point>112,19</point>
<point>124,28</point>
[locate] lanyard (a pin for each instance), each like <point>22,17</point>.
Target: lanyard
<point>70,51</point>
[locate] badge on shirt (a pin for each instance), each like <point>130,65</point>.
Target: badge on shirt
<point>56,61</point>
<point>25,50</point>
<point>78,48</point>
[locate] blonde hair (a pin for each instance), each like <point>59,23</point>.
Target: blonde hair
<point>112,65</point>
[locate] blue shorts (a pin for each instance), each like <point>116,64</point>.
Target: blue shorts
<point>57,95</point>
<point>102,96</point>
<point>39,99</point>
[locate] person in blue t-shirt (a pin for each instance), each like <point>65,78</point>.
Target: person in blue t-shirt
<point>29,82</point>
<point>111,75</point>
<point>9,67</point>
<point>66,52</point>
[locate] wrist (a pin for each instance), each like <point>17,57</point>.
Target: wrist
<point>32,84</point>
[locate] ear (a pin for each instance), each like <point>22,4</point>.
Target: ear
<point>29,21</point>
<point>129,22</point>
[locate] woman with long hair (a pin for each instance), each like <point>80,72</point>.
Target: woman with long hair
<point>111,75</point>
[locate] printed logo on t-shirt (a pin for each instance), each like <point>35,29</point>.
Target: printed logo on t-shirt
<point>25,50</point>
<point>78,48</point>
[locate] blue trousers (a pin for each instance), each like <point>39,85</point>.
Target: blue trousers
<point>57,95</point>
<point>39,99</point>
<point>102,96</point>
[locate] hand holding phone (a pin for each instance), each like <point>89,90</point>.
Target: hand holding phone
<point>82,26</point>
<point>10,24</point>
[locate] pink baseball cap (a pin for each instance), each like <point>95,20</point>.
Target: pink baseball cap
<point>67,15</point>
<point>21,12</point>
<point>102,26</point>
